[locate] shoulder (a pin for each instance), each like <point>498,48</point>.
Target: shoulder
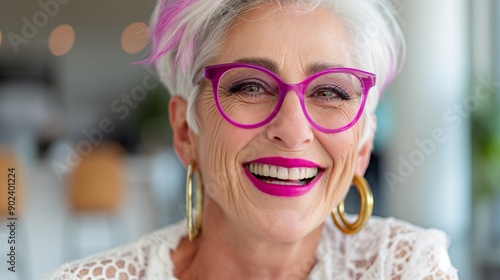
<point>146,257</point>
<point>394,249</point>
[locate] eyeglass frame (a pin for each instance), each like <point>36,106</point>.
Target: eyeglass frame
<point>214,73</point>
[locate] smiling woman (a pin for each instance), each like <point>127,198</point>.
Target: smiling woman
<point>273,105</point>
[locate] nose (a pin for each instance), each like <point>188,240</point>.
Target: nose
<point>290,128</point>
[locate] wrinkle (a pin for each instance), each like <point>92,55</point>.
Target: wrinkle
<point>223,147</point>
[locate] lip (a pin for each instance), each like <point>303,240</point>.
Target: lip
<point>285,162</point>
<point>283,190</point>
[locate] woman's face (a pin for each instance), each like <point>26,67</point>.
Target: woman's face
<point>293,43</point>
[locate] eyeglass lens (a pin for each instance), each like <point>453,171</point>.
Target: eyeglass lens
<point>249,96</point>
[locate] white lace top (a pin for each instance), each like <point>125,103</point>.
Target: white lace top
<point>384,249</point>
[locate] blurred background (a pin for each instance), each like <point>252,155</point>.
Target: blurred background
<point>87,132</point>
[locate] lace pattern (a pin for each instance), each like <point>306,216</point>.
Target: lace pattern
<point>384,249</point>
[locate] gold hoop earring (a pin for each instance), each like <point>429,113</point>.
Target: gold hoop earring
<point>365,211</point>
<point>194,228</point>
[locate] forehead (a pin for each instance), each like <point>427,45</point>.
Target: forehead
<point>294,37</point>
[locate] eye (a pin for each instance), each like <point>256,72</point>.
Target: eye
<point>331,92</point>
<point>326,93</point>
<point>252,87</point>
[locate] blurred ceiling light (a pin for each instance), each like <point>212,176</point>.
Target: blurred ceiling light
<point>135,37</point>
<point>61,40</point>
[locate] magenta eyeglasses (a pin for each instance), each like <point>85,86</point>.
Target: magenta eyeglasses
<point>250,96</point>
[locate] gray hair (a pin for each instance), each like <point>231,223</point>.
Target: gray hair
<point>186,36</point>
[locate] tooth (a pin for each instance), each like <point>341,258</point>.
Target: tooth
<point>302,174</point>
<point>273,171</point>
<point>309,173</point>
<point>282,173</point>
<point>315,172</point>
<point>293,173</point>
<point>265,170</point>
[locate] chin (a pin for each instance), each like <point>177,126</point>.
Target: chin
<point>285,227</point>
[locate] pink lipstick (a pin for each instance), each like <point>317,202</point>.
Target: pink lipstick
<point>284,177</point>
<point>286,162</point>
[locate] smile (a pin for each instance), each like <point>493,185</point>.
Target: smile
<point>283,177</point>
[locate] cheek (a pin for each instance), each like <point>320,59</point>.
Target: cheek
<point>343,149</point>
<point>210,139</point>
<point>209,120</point>
<point>218,146</point>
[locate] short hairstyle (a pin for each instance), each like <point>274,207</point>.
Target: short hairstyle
<point>187,34</point>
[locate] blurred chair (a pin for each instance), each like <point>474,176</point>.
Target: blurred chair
<point>96,187</point>
<point>97,183</point>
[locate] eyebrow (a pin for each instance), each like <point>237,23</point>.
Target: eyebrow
<point>273,66</point>
<point>316,67</point>
<point>262,62</point>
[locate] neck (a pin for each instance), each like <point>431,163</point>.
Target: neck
<point>224,250</point>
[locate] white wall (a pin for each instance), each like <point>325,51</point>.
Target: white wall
<point>427,164</point>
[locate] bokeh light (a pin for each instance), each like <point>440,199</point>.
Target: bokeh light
<point>61,40</point>
<point>135,37</point>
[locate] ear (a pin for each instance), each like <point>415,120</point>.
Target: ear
<point>184,141</point>
<point>365,152</point>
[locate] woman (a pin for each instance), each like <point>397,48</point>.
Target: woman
<point>272,106</point>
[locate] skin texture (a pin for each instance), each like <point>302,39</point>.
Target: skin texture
<point>248,234</point>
